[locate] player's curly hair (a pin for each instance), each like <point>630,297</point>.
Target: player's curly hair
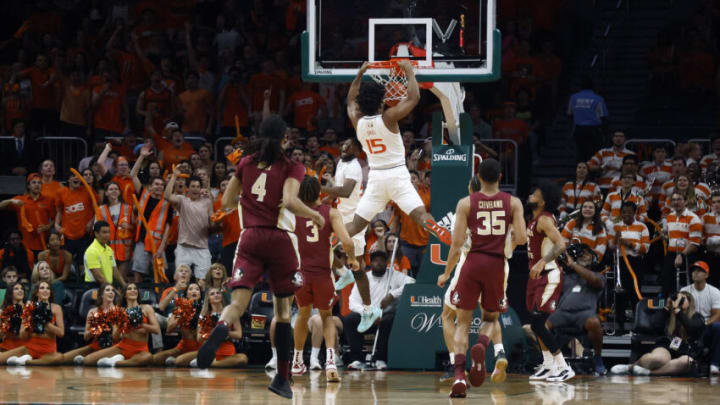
<point>266,146</point>
<point>370,97</point>
<point>309,190</point>
<point>551,195</point>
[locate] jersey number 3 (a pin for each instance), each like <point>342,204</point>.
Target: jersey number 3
<point>314,236</point>
<point>491,223</point>
<point>375,145</point>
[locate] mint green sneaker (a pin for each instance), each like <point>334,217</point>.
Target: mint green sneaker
<point>344,280</point>
<point>368,319</point>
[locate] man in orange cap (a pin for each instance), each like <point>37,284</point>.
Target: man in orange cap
<point>35,213</point>
<point>707,304</point>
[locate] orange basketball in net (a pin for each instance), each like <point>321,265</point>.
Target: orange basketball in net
<point>394,91</point>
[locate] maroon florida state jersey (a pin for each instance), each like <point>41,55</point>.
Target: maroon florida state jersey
<point>538,243</point>
<point>262,191</point>
<point>489,221</point>
<point>314,243</point>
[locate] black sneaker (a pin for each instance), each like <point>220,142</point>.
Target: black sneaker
<point>449,373</point>
<point>281,387</point>
<point>207,351</point>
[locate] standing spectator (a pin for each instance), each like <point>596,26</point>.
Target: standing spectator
<point>575,193</point>
<point>608,161</point>
<point>230,223</point>
<point>707,304</point>
<point>50,186</point>
<point>590,118</point>
<point>413,238</point>
<point>156,100</point>
<point>194,225</point>
<point>38,211</point>
<point>516,129</point>
<point>16,255</point>
<point>313,147</point>
<point>74,218</point>
<point>75,106</point>
<point>233,101</point>
<point>197,108</point>
<point>525,70</point>
<point>177,151</point>
<point>657,172</point>
<point>14,102</point>
<point>711,237</point>
<point>42,114</point>
<point>266,80</point>
<point>121,221</point>
<point>110,113</point>
<point>684,231</point>
<point>587,228</point>
<point>633,235</point>
<point>306,107</point>
<point>21,158</point>
<point>385,287</point>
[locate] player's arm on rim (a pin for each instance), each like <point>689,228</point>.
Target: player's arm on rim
<point>392,115</point>
<point>519,236</point>
<point>547,227</point>
<point>352,108</point>
<point>232,191</point>
<point>339,228</point>
<point>458,239</point>
<point>292,202</point>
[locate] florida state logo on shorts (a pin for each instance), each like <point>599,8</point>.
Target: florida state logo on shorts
<point>297,280</point>
<point>455,298</point>
<point>237,274</point>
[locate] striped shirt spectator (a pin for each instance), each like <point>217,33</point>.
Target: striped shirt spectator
<point>696,196</point>
<point>711,226</point>
<point>639,186</point>
<point>575,193</point>
<point>608,161</point>
<point>635,235</point>
<point>657,173</point>
<point>614,201</point>
<point>683,229</point>
<point>573,233</point>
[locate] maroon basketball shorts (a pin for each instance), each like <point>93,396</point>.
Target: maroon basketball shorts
<point>318,290</point>
<point>270,250</point>
<point>544,292</point>
<point>481,275</point>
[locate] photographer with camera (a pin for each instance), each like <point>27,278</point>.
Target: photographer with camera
<point>674,353</point>
<point>577,308</point>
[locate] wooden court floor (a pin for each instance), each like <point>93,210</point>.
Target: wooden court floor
<point>70,385</point>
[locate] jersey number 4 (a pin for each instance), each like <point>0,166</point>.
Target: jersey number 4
<point>491,223</point>
<point>375,145</point>
<point>258,188</point>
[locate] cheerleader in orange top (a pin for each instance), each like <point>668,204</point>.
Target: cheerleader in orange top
<point>184,317</point>
<point>11,317</point>
<point>132,350</point>
<point>99,330</point>
<point>226,355</point>
<point>42,322</point>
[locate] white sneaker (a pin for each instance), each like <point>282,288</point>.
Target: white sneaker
<point>204,373</point>
<point>193,363</point>
<point>620,369</point>
<point>170,361</point>
<point>12,361</point>
<point>315,364</point>
<point>561,375</point>
<point>542,372</point>
<point>114,359</point>
<point>356,365</point>
<point>637,370</point>
<point>79,360</point>
<point>331,371</point>
<point>714,370</point>
<point>380,365</point>
<point>272,364</point>
<point>104,362</point>
<point>298,367</point>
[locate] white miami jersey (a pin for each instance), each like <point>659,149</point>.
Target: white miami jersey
<point>349,171</point>
<point>384,148</point>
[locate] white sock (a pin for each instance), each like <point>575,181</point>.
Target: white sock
<point>499,348</point>
<point>298,356</point>
<point>547,359</point>
<point>329,354</point>
<point>274,351</point>
<point>560,360</point>
<point>315,353</point>
<point>452,358</point>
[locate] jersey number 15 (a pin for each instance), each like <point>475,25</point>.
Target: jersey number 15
<point>375,145</point>
<point>491,223</point>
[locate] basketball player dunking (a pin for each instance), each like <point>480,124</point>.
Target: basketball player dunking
<point>389,179</point>
<point>267,183</point>
<point>490,214</point>
<point>545,284</point>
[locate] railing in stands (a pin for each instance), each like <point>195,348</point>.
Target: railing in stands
<point>644,147</point>
<point>65,151</point>
<point>507,151</point>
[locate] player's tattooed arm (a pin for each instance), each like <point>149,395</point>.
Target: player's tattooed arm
<point>547,226</point>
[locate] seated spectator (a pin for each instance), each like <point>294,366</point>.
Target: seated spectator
<point>575,193</point>
<point>23,157</point>
<point>378,228</point>
<point>182,277</point>
<point>633,235</point>
<point>707,304</point>
<point>711,238</point>
<point>613,202</point>
<point>330,143</point>
<point>656,173</point>
<point>678,167</point>
<point>695,195</point>
<point>385,288</point>
<point>587,227</point>
<point>38,210</point>
<point>42,272</point>
<point>413,238</point>
<point>590,118</point>
<point>577,307</point>
<point>58,258</point>
<point>630,165</point>
<point>401,263</point>
<point>99,258</point>
<point>712,157</point>
<point>674,353</point>
<point>8,276</point>
<point>217,278</point>
<point>684,232</point>
<point>16,255</point>
<point>607,162</point>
